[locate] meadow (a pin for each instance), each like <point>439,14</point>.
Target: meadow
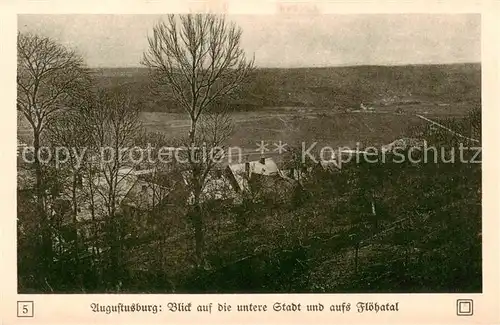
<point>315,104</point>
<point>320,104</point>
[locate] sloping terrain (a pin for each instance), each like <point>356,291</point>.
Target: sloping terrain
<point>332,88</point>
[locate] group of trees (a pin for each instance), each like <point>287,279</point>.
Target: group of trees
<point>196,60</point>
<point>71,123</point>
<point>385,226</point>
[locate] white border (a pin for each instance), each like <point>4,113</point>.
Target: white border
<point>415,308</point>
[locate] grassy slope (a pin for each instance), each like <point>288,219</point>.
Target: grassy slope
<point>336,87</point>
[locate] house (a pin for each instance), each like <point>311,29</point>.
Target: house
<point>240,174</point>
<point>218,187</point>
<point>229,183</point>
<point>132,191</point>
<point>262,177</point>
<point>144,194</point>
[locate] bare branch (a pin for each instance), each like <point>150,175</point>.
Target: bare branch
<point>199,58</point>
<point>48,76</point>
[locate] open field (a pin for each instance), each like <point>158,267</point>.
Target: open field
<point>294,125</point>
<point>315,104</point>
<point>297,125</point>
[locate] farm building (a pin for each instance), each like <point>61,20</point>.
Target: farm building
<point>217,187</point>
<point>230,183</point>
<point>240,174</point>
<point>132,191</point>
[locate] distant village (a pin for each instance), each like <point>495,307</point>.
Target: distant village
<point>141,187</point>
<point>138,187</point>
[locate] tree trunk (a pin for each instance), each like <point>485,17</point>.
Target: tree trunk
<point>75,229</point>
<point>196,186</point>
<point>198,231</point>
<point>114,242</point>
<point>192,134</point>
<point>46,255</point>
<point>95,231</point>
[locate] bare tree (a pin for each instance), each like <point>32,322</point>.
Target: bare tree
<point>66,133</point>
<point>113,123</point>
<point>198,61</point>
<point>48,77</point>
<point>160,182</point>
<point>214,129</point>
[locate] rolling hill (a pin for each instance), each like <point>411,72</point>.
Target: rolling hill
<point>338,88</point>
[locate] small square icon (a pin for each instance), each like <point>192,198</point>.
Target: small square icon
<point>25,309</point>
<point>465,307</point>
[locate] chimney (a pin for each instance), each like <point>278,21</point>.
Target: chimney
<point>262,160</point>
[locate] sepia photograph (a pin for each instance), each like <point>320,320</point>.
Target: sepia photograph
<point>251,154</point>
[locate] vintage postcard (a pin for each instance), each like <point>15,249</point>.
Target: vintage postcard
<point>250,162</point>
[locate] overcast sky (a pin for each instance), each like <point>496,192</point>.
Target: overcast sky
<point>283,41</point>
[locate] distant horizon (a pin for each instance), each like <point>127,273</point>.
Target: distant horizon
<point>320,67</point>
